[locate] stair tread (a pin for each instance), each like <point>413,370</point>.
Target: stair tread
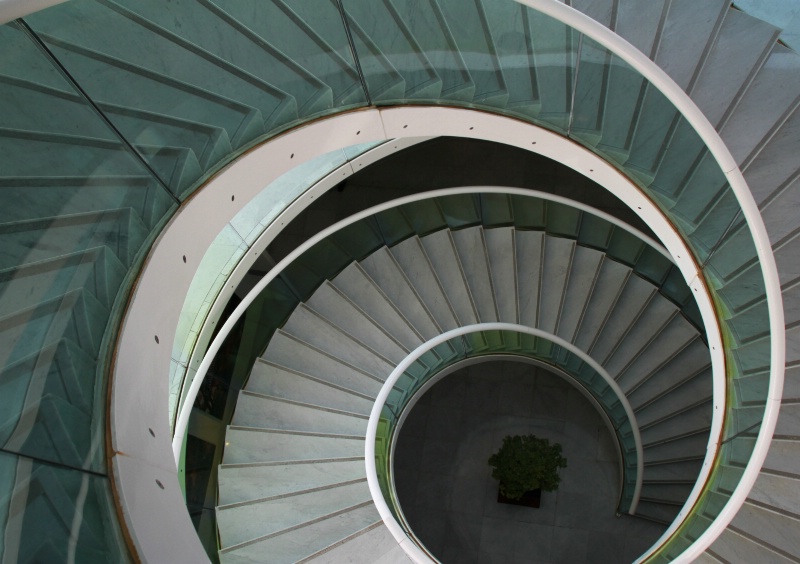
<point>391,279</point>
<point>733,546</point>
<point>270,379</point>
<point>256,445</point>
<point>306,541</point>
<point>271,413</point>
<point>411,257</point>
<point>305,325</point>
<point>239,484</point>
<point>502,263</point>
<point>441,252</point>
<point>356,284</point>
<point>742,44</point>
<point>472,255</point>
<point>288,352</point>
<point>376,546</point>
<point>529,259</point>
<point>558,253</point>
<point>585,269</point>
<point>336,308</point>
<point>243,523</point>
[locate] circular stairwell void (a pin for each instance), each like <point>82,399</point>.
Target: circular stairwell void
<point>448,497</point>
<point>310,392</point>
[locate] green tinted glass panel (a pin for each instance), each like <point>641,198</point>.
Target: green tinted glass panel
<point>190,85</point>
<point>79,207</point>
<point>75,508</point>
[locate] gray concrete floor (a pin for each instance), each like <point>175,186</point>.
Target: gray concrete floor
<point>448,496</point>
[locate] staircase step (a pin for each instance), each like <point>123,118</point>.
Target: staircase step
<point>684,420</point>
<point>773,528</point>
<point>473,256</point>
<point>777,491</point>
<point>210,144</point>
<point>742,45</point>
<point>382,80</point>
<point>307,541</point>
<point>610,283</point>
<point>684,446</point>
<point>501,250</point>
<point>586,264</point>
<point>733,546</point>
<point>252,521</point>
<point>672,492</point>
<point>690,362</point>
<point>416,266</point>
<point>49,109</point>
<point>177,167</point>
<point>529,247</point>
<point>783,455</point>
<point>288,352</point>
<point>264,412</point>
<point>558,254</point>
<point>239,484</point>
<point>684,41</point>
<point>659,352</point>
<point>639,22</point>
<point>26,153</point>
<point>375,546</point>
<point>693,390</point>
<point>306,326</point>
<point>338,310</point>
<point>354,283</point>
<point>270,379</point>
<point>654,319</point>
<point>633,299</point>
<point>441,253</point>
<point>771,94</point>
<point>245,446</point>
<point>659,512</point>
<point>391,280</point>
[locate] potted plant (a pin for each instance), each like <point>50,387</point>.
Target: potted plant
<point>525,465</point>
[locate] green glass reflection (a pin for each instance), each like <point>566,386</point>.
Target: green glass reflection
<point>192,85</point>
<point>79,208</point>
<point>54,514</point>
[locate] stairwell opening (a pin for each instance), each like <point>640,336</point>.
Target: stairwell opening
<point>449,499</point>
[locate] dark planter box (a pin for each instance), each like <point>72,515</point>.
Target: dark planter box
<point>529,499</point>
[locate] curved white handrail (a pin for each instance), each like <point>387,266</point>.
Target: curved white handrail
<point>375,415</point>
<point>185,411</point>
<point>695,117</point>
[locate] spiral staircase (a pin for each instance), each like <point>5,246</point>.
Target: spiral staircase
<point>299,426</point>
<point>115,113</point>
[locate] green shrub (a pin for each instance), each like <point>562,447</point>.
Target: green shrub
<point>525,463</point>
